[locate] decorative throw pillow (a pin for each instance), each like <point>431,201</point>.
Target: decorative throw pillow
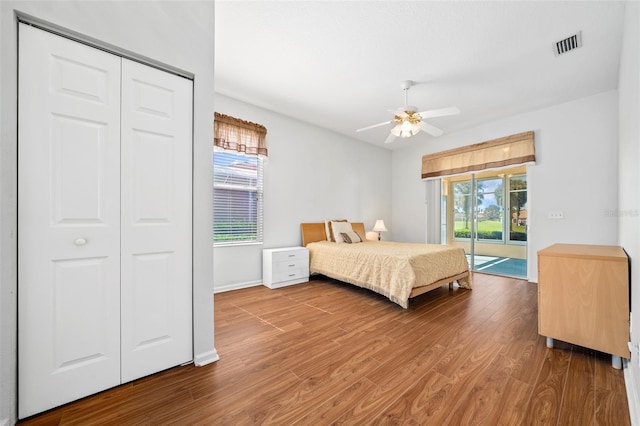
<point>338,228</point>
<point>351,237</point>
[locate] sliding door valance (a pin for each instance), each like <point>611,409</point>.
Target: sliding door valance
<point>514,149</point>
<point>238,135</point>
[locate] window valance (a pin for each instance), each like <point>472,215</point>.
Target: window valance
<point>514,149</point>
<point>238,135</point>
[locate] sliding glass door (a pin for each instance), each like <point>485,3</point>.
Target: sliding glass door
<point>487,215</point>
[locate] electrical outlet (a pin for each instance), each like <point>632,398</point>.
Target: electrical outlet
<point>556,215</point>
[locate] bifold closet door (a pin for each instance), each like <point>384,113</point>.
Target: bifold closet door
<point>156,220</point>
<point>68,221</point>
<point>104,220</point>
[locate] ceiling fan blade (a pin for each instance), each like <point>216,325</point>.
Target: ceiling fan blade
<point>374,126</point>
<point>390,138</point>
<point>439,112</point>
<point>432,130</point>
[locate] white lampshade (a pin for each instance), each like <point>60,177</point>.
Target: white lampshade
<point>379,226</point>
<point>405,129</point>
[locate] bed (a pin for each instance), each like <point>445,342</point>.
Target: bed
<point>398,271</point>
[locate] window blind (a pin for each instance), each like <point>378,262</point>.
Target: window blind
<point>237,200</point>
<point>514,149</point>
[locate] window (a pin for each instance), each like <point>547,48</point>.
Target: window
<point>240,147</point>
<point>518,203</point>
<point>462,209</point>
<point>489,211</point>
<point>500,214</point>
<point>237,198</point>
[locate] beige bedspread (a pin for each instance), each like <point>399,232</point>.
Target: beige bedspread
<point>389,268</point>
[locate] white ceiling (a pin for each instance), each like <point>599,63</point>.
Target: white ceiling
<point>339,64</point>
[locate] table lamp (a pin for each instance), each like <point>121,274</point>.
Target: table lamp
<point>379,227</point>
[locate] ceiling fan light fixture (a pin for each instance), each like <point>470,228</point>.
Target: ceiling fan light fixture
<point>408,122</point>
<point>407,129</point>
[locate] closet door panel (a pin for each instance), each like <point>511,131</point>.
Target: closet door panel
<point>68,221</point>
<point>156,220</point>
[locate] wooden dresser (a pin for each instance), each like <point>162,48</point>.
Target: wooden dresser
<point>583,297</point>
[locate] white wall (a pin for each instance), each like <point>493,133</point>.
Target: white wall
<point>176,33</point>
<point>628,211</point>
<point>311,174</point>
<point>575,172</point>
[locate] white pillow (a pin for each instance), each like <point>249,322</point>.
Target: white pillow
<point>327,228</point>
<point>338,228</point>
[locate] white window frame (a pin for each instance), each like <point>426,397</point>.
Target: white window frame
<point>235,236</point>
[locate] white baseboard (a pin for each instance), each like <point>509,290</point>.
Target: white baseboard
<point>632,395</point>
<point>201,360</point>
<point>237,286</point>
<point>4,422</point>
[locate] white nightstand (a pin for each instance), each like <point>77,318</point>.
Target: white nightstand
<point>285,266</point>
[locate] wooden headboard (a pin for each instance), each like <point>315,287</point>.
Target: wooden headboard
<point>312,232</point>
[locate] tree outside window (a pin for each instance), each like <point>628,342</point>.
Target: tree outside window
<point>518,204</point>
<point>496,211</point>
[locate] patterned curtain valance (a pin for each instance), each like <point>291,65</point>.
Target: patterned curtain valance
<point>514,149</point>
<point>234,134</point>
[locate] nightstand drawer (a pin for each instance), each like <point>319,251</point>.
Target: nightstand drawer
<point>281,255</point>
<point>290,264</point>
<point>293,274</point>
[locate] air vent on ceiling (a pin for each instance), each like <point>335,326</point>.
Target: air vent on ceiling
<point>568,44</point>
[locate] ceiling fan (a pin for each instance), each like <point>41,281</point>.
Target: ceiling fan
<point>408,121</point>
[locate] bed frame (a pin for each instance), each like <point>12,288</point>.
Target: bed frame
<point>313,232</point>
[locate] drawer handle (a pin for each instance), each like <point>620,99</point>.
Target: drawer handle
<point>290,266</point>
<point>292,275</point>
<point>80,241</point>
<point>292,255</point>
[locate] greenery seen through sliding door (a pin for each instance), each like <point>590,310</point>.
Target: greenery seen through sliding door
<point>518,203</point>
<point>500,209</point>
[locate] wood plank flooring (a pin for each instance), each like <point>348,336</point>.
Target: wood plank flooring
<point>325,352</point>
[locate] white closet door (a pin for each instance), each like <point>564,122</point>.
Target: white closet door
<point>156,220</point>
<point>69,221</point>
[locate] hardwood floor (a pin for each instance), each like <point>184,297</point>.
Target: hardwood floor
<point>325,352</point>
